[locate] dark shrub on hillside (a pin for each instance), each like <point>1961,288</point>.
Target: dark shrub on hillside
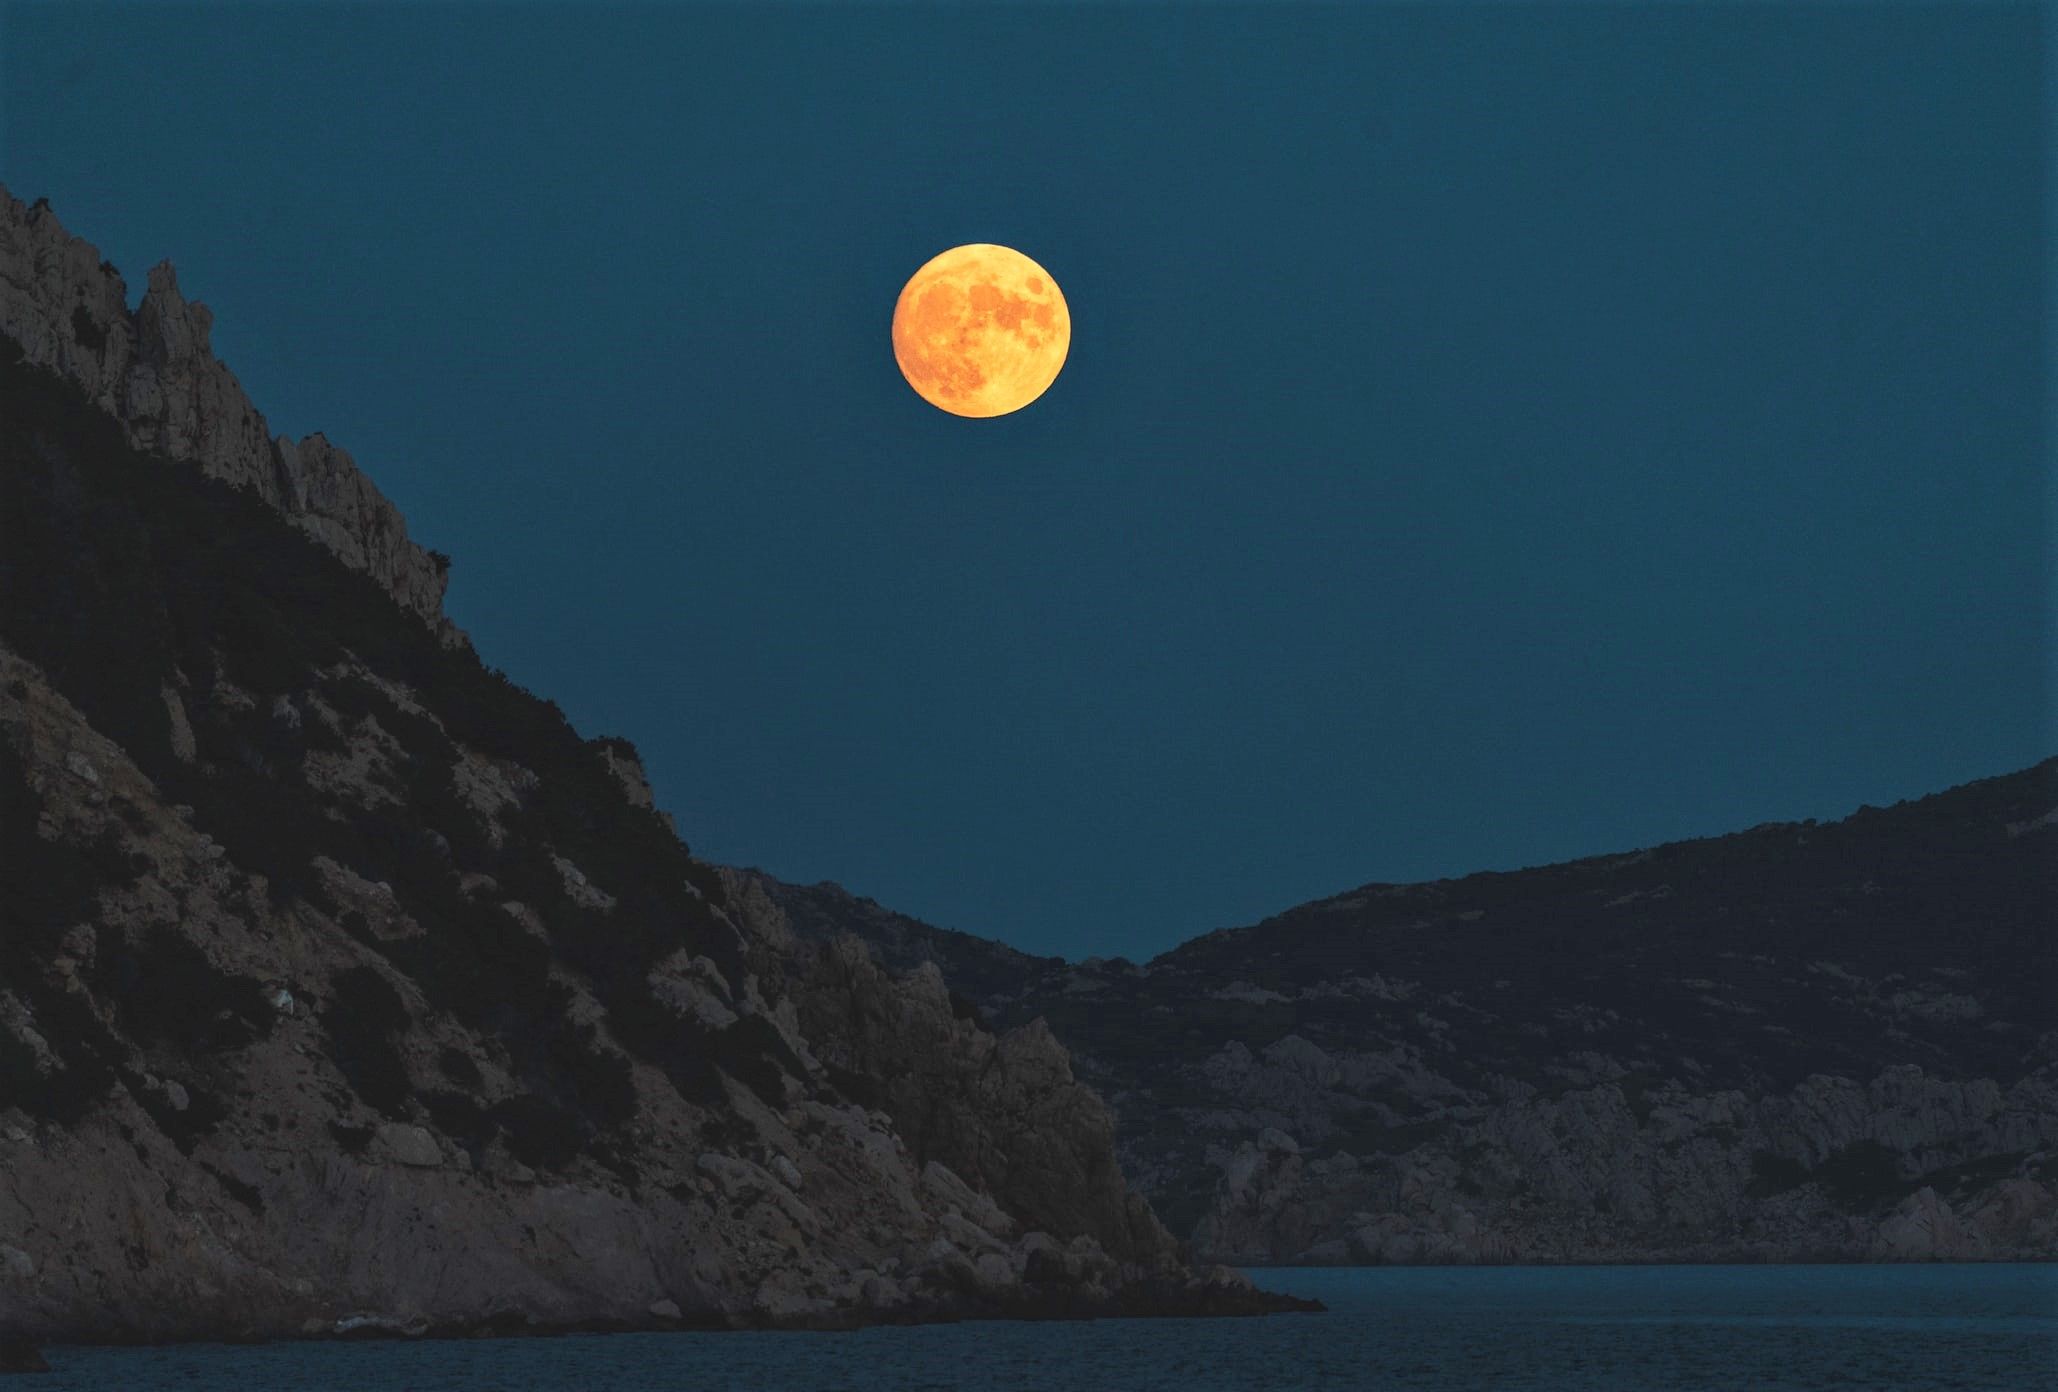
<point>264,740</point>
<point>21,1077</point>
<point>963,1007</point>
<point>83,1047</point>
<point>861,1088</point>
<point>567,1065</point>
<point>355,1140</point>
<point>356,699</point>
<point>433,797</point>
<point>459,1068</point>
<point>696,1057</point>
<point>316,733</point>
<point>482,965</point>
<point>244,1194</point>
<point>46,886</point>
<point>1772,1173</point>
<point>267,827</point>
<point>540,1134</point>
<point>166,991</point>
<point>657,1034</point>
<point>1861,1177</point>
<point>754,1053</point>
<point>596,1080</point>
<point>364,1015</point>
<point>459,1117</point>
<point>89,334</point>
<point>79,588</point>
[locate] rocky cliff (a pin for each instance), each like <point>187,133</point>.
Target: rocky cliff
<point>1798,1042</point>
<point>345,988</point>
<point>154,371</point>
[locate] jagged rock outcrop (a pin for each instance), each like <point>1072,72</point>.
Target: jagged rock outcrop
<point>345,989</point>
<point>1766,1046</point>
<point>155,371</point>
<point>627,766</point>
<point>1003,1112</point>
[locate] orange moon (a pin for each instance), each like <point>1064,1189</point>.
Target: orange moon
<point>981,330</point>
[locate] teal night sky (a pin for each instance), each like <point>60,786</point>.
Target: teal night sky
<point>1492,434</point>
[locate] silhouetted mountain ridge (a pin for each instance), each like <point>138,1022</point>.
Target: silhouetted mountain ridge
<point>1280,1085</point>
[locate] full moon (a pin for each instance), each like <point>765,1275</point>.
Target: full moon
<point>981,330</point>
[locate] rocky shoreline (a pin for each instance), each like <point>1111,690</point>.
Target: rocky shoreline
<point>1219,1295</point>
<point>1201,1300</point>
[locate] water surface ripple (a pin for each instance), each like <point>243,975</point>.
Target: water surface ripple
<point>1564,1329</point>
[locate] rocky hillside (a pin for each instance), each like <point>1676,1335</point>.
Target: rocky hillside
<point>1802,1041</point>
<point>65,308</point>
<point>343,986</point>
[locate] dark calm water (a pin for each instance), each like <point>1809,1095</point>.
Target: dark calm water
<point>1589,1329</point>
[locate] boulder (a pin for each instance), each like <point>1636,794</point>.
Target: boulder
<point>408,1145</point>
<point>1923,1228</point>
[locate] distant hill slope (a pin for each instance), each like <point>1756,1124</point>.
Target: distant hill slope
<point>1835,1040</point>
<point>343,986</point>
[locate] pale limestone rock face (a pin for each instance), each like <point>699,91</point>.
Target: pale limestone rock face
<point>155,372</point>
<point>1923,1228</point>
<point>957,1197</point>
<point>17,1021</point>
<point>993,1272</point>
<point>1301,1057</point>
<point>328,497</point>
<point>1001,1117</point>
<point>409,1145</point>
<point>628,771</point>
<point>66,307</point>
<point>179,400</point>
<point>181,728</point>
<point>581,890</point>
<point>693,988</point>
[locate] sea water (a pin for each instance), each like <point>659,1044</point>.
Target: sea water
<point>1575,1329</point>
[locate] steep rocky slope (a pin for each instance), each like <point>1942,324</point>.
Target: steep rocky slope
<point>1801,1041</point>
<point>153,370</point>
<point>343,986</point>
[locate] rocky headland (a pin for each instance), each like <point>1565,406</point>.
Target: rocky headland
<point>346,990</point>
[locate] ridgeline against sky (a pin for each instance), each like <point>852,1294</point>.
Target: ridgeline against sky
<point>1488,436</point>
